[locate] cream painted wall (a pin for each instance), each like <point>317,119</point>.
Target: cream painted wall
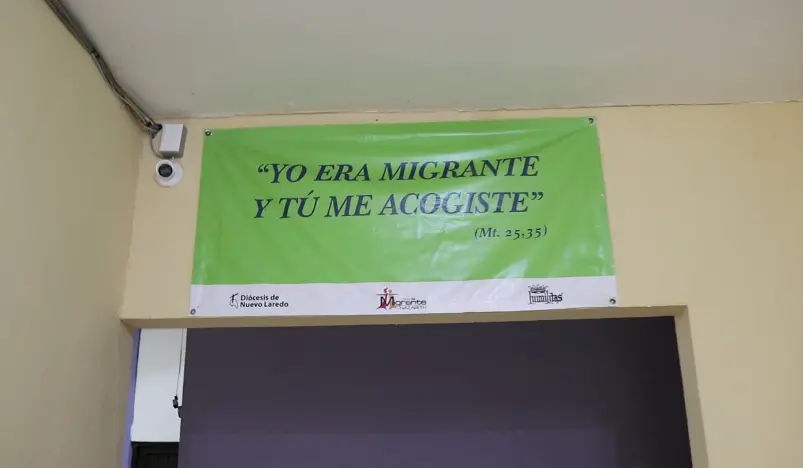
<point>705,210</point>
<point>68,169</point>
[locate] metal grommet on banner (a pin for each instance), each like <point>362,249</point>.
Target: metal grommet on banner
<point>591,121</point>
<point>207,132</point>
<point>192,311</point>
<point>612,301</point>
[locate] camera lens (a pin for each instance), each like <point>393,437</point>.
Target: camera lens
<point>165,170</point>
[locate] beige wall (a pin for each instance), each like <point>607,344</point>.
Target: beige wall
<point>68,165</point>
<point>705,207</point>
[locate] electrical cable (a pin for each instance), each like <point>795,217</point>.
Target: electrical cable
<point>181,357</point>
<point>73,26</point>
<point>151,144</point>
<point>176,403</point>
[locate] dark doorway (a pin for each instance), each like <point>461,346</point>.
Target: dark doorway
<point>553,394</point>
<point>154,455</point>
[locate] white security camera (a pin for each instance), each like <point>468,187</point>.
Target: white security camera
<point>167,172</point>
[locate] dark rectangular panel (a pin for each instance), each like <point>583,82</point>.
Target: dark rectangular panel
<point>558,394</point>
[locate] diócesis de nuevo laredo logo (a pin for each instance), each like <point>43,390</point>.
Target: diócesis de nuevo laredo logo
<point>541,295</point>
<point>391,300</point>
<point>238,300</point>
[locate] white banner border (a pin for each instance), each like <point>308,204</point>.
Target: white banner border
<point>437,297</point>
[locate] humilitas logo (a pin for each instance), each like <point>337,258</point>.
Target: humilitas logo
<point>541,295</point>
<point>389,300</point>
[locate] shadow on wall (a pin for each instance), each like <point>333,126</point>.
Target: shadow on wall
<point>557,394</point>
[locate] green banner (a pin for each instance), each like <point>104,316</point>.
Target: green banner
<point>460,216</point>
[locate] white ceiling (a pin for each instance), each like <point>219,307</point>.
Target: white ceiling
<point>203,57</point>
